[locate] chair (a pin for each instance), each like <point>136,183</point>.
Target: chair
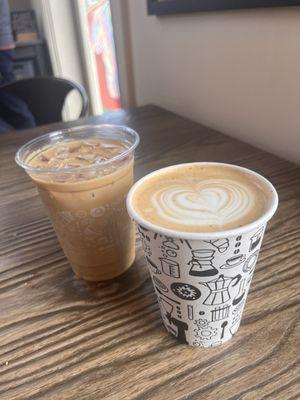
<point>45,96</point>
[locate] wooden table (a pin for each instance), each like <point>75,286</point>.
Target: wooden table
<point>62,338</point>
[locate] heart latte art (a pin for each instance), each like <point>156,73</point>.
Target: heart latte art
<point>201,198</point>
<point>215,201</point>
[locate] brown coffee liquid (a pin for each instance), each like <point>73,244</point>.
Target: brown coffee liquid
<point>201,198</point>
<point>87,205</point>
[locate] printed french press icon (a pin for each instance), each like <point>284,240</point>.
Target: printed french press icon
<point>201,263</point>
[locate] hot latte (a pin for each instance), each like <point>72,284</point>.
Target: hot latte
<point>201,198</point>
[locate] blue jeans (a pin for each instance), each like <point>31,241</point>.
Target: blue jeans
<point>14,113</point>
<point>6,66</point>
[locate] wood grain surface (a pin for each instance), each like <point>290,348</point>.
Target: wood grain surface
<point>62,338</point>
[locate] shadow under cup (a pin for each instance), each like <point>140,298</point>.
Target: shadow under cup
<point>86,204</point>
<point>202,279</point>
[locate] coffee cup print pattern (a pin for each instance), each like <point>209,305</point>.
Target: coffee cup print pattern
<point>202,285</point>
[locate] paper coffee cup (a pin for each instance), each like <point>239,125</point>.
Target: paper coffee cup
<point>202,279</point>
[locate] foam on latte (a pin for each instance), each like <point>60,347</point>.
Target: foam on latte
<point>201,198</point>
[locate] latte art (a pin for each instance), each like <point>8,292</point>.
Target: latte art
<point>213,202</point>
<point>201,198</point>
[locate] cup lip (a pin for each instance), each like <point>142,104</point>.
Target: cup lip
<point>262,220</point>
<point>76,129</point>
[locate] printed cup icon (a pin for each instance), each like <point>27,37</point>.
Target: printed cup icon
<point>170,267</point>
<point>234,261</point>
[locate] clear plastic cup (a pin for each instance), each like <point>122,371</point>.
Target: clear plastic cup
<point>86,204</point>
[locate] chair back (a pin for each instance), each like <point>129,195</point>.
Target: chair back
<point>45,97</point>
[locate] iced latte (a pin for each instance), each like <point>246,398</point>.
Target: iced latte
<point>83,177</point>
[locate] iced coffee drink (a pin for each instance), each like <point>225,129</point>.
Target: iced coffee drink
<point>83,177</point>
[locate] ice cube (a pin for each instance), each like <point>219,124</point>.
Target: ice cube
<point>74,149</point>
<point>43,158</point>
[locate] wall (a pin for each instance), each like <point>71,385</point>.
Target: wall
<point>120,21</point>
<point>235,71</point>
<point>36,5</point>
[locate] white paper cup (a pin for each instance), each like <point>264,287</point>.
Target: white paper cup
<point>202,279</point>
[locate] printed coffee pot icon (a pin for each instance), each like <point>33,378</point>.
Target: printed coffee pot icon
<point>201,263</point>
<point>219,289</point>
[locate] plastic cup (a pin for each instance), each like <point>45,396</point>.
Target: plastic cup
<point>86,204</point>
<point>202,279</point>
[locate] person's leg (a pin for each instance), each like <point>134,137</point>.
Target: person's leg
<point>14,111</point>
<point>6,66</point>
<point>5,127</point>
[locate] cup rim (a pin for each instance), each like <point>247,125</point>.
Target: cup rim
<point>76,129</point>
<point>262,220</point>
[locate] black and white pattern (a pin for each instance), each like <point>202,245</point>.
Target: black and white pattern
<point>202,285</point>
